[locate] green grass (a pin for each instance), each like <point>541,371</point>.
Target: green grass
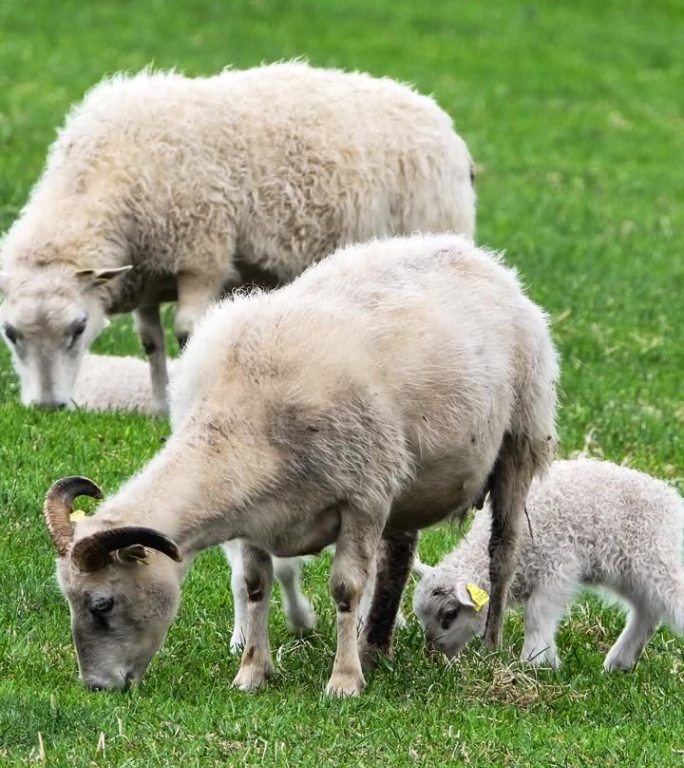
<point>575,115</point>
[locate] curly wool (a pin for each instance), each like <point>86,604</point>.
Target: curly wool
<point>593,524</point>
<point>115,383</point>
<point>279,164</point>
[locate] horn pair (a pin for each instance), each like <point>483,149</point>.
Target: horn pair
<point>94,552</point>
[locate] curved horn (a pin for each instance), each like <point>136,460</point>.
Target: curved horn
<point>59,504</point>
<point>94,552</point>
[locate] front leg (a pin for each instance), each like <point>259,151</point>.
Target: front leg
<point>356,547</point>
<point>195,293</point>
<point>256,665</point>
<point>149,326</point>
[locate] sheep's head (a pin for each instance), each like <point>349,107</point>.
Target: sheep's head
<point>451,611</point>
<point>48,319</point>
<point>122,586</point>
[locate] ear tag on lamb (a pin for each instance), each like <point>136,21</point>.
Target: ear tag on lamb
<point>76,515</point>
<point>479,597</point>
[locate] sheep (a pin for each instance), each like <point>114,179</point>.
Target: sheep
<point>390,386</point>
<point>592,524</point>
<point>115,383</point>
<point>111,383</point>
<point>161,187</point>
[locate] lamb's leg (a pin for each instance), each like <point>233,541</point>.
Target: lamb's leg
<point>394,562</point>
<point>356,547</point>
<point>642,623</point>
<point>195,293</point>
<point>298,611</point>
<point>510,482</point>
<point>543,610</point>
<point>149,326</point>
<point>256,665</point>
<point>233,554</point>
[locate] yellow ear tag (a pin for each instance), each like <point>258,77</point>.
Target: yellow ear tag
<point>479,597</point>
<point>77,515</point>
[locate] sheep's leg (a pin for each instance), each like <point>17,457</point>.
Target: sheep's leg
<point>394,562</point>
<point>298,611</point>
<point>256,665</point>
<point>510,482</point>
<point>543,610</point>
<point>195,293</point>
<point>149,326</point>
<point>231,549</point>
<point>356,547</point>
<point>642,623</point>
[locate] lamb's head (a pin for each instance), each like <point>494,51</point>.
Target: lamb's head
<point>48,319</point>
<point>122,585</point>
<point>450,610</point>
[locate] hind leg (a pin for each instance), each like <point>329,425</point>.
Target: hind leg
<point>510,482</point>
<point>642,623</point>
<point>394,562</point>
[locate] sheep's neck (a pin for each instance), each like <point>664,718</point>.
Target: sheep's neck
<point>178,494</point>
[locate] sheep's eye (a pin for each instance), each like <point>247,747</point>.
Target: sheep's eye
<point>76,331</point>
<point>102,605</point>
<point>448,618</point>
<point>11,333</point>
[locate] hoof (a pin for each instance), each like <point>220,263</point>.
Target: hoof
<point>344,684</point>
<point>251,677</point>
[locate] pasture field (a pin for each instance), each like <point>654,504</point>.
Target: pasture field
<point>574,113</point>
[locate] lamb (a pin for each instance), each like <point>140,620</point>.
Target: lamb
<point>592,524</point>
<point>115,383</point>
<point>388,387</point>
<point>161,187</point>
<point>112,383</point>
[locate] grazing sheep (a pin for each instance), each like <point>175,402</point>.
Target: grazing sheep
<point>390,386</point>
<point>111,383</point>
<point>207,183</point>
<point>592,524</point>
<point>115,383</point>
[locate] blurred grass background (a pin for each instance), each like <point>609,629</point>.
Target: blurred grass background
<point>575,116</point>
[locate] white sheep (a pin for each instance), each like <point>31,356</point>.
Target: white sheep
<point>115,383</point>
<point>119,383</point>
<point>388,387</point>
<point>202,184</point>
<point>592,524</point>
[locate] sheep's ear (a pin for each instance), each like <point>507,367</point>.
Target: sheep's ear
<point>91,278</point>
<point>135,553</point>
<point>3,284</point>
<point>471,596</point>
<point>420,568</point>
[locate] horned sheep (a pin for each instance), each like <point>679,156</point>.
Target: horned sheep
<point>121,383</point>
<point>592,524</point>
<point>207,183</point>
<point>388,387</point>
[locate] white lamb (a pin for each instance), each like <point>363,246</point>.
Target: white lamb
<point>593,524</point>
<point>202,184</point>
<point>119,383</point>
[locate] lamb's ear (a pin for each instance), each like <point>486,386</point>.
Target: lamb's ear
<point>91,278</point>
<point>3,284</point>
<point>420,568</point>
<point>471,595</point>
<point>135,553</point>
